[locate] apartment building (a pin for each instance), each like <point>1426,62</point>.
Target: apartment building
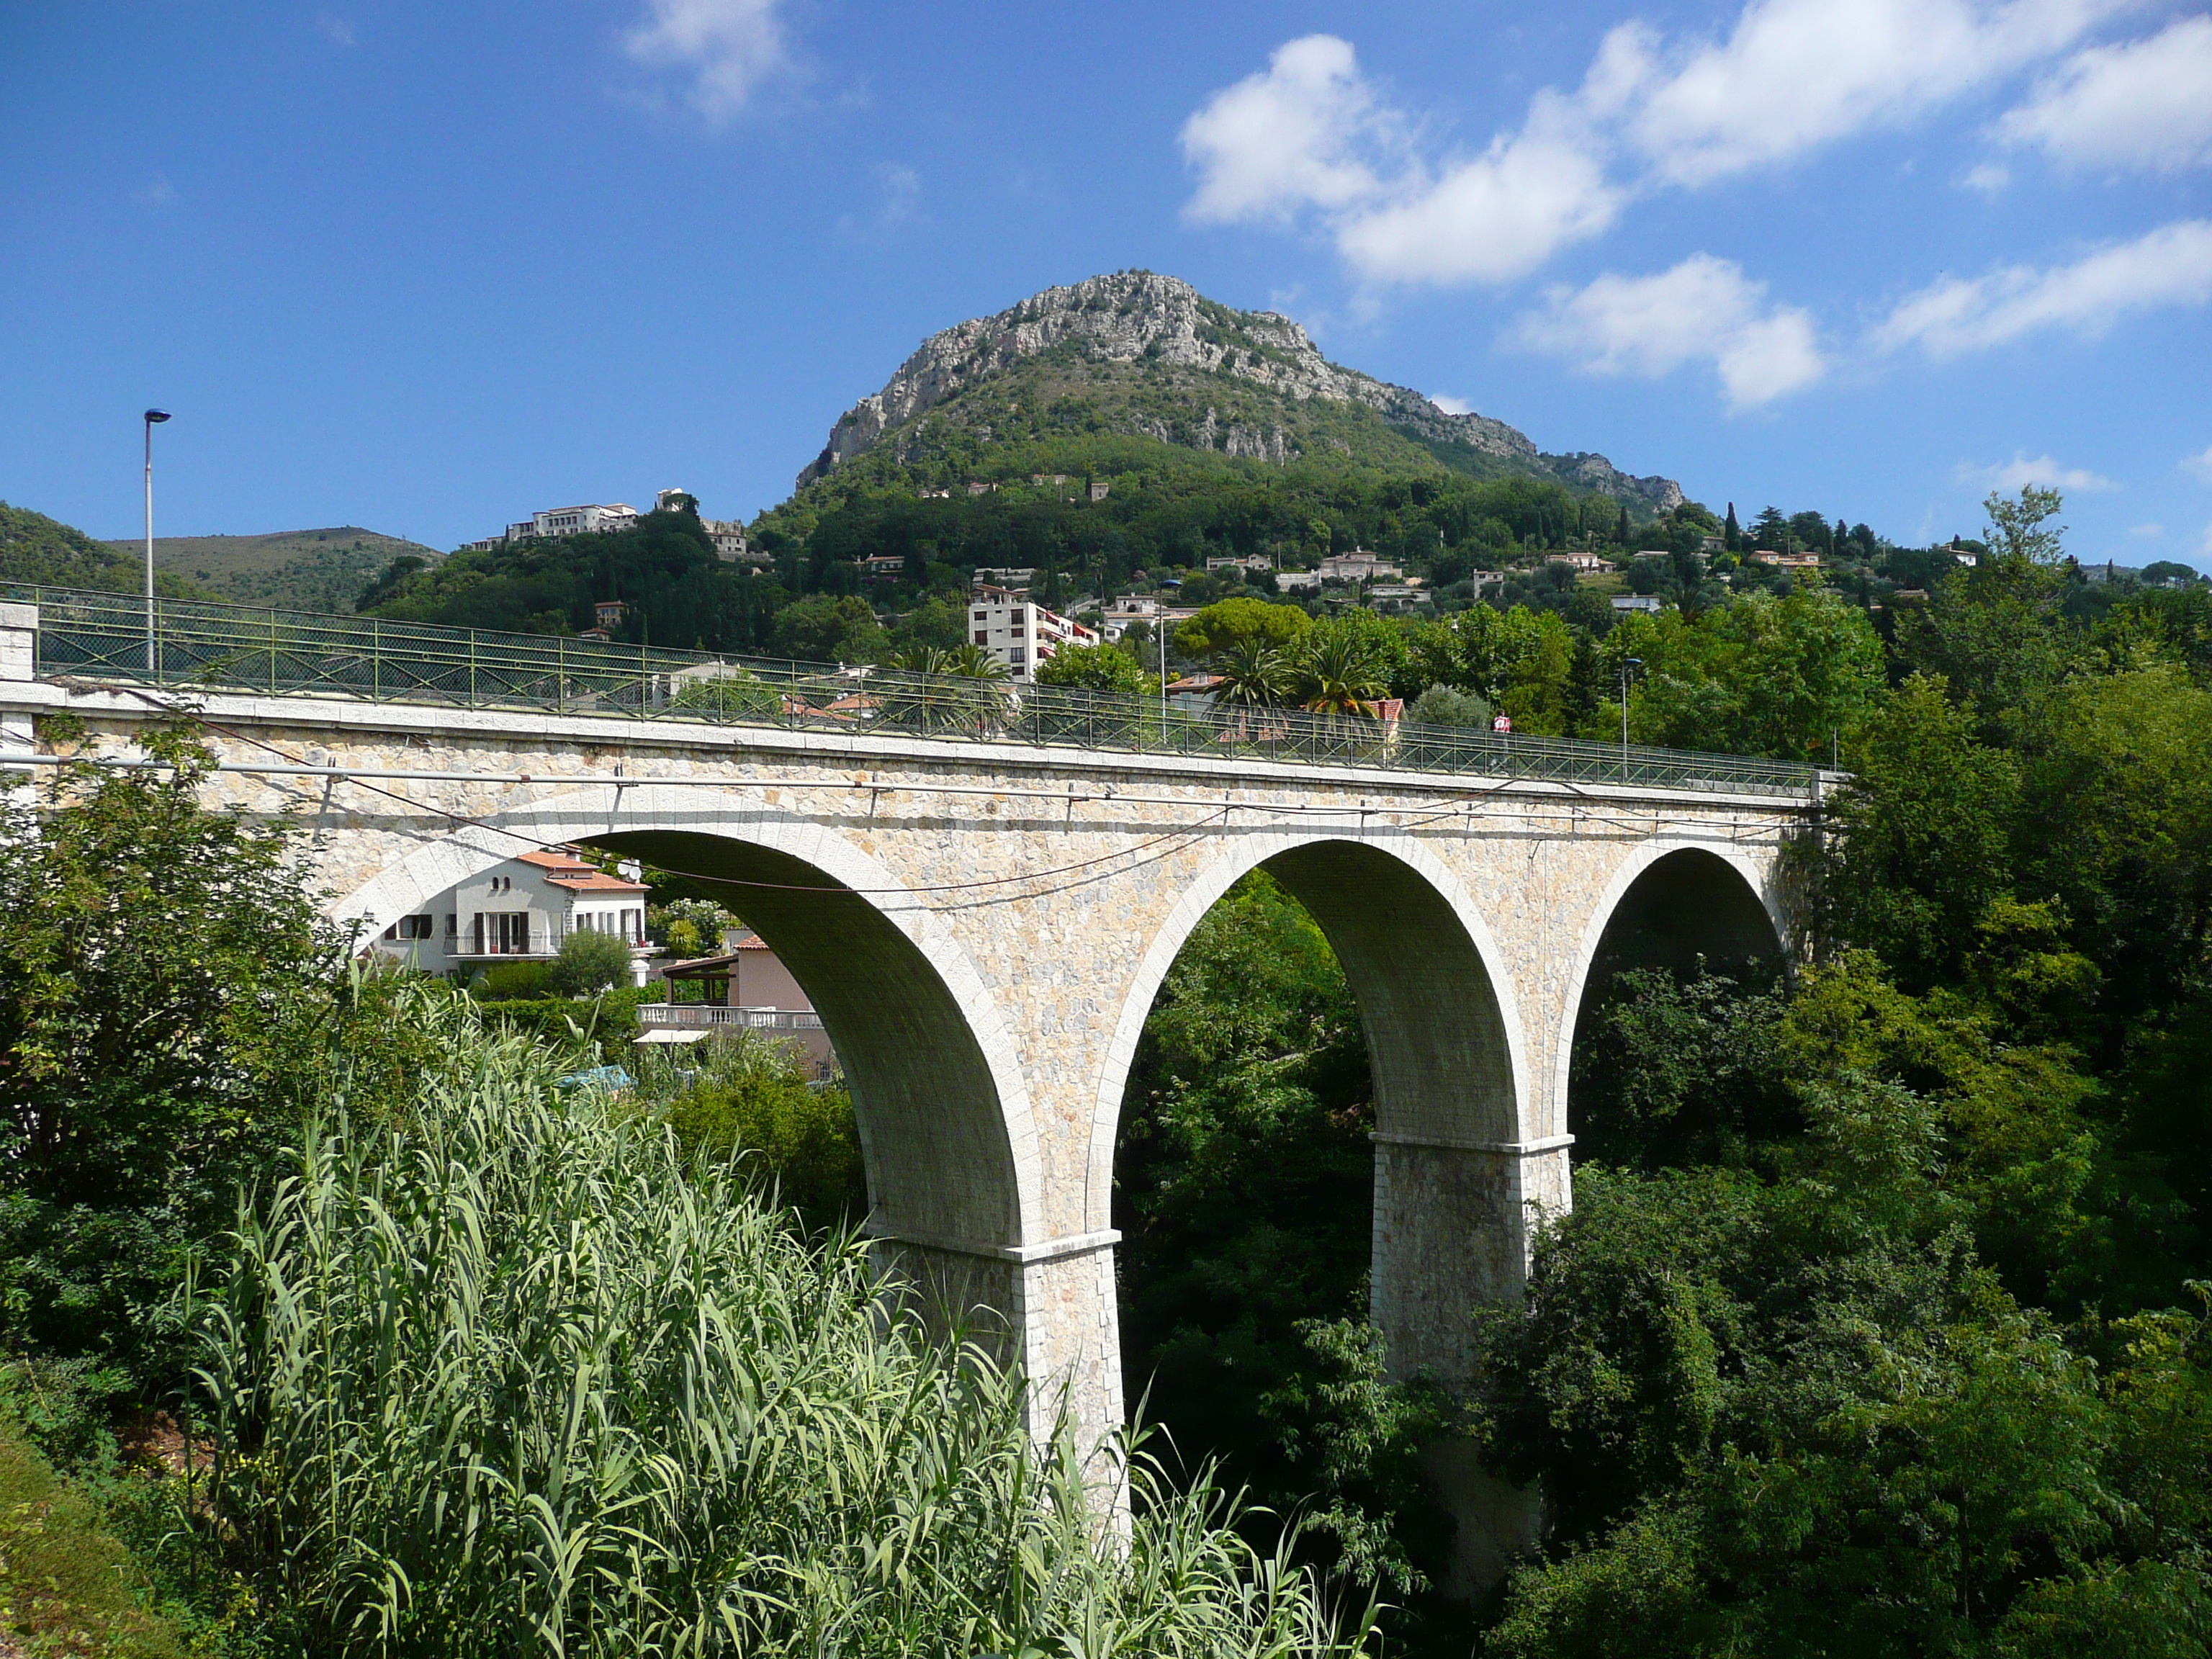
<point>1020,633</point>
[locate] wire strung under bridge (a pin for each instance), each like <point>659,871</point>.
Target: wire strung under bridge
<point>1183,835</point>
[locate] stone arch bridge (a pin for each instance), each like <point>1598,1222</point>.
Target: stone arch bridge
<point>982,927</point>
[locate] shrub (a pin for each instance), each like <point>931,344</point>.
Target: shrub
<point>609,1019</point>
<point>589,963</point>
<point>509,1374</point>
<point>739,1092</point>
<point>1446,705</point>
<point>514,982</point>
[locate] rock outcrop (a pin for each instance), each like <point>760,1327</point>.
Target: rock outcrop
<point>1134,318</point>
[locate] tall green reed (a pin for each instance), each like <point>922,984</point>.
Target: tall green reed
<point>511,1375</point>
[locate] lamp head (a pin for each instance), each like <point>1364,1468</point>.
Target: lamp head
<point>156,416</point>
<point>1632,664</point>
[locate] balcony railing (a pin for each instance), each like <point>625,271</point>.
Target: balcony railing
<point>219,648</point>
<point>690,1016</point>
<point>542,938</point>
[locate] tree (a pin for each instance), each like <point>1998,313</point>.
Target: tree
<point>940,621</point>
<point>1920,834</point>
<point>590,962</point>
<point>1338,673</point>
<point>168,992</point>
<point>1228,621</point>
<point>1760,677</point>
<point>1094,668</point>
<point>1732,535</point>
<point>690,927</point>
<point>970,661</point>
<point>826,629</point>
<point>1253,674</point>
<point>2016,532</point>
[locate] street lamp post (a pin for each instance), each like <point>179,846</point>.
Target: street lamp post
<point>154,418</point>
<point>1628,667</point>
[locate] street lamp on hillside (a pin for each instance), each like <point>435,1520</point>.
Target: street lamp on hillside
<point>154,418</point>
<point>1629,666</point>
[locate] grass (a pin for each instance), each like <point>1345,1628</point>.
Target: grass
<point>513,1374</point>
<point>67,1585</point>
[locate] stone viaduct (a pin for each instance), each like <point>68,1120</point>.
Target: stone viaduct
<point>983,928</point>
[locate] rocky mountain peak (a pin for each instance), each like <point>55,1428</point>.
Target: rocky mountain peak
<point>1132,318</point>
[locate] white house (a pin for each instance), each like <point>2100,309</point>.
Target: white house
<point>1358,565</point>
<point>1020,633</point>
<point>522,911</point>
<point>574,521</point>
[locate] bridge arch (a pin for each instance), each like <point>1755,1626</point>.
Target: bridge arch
<point>947,1134</point>
<point>1670,904</point>
<point>1449,1070</point>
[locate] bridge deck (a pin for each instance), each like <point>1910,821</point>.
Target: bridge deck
<point>186,645</point>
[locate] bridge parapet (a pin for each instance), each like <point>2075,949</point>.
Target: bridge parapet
<point>187,645</point>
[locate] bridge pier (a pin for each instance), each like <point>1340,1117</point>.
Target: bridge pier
<point>1050,1308</point>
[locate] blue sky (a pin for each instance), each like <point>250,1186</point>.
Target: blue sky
<point>428,267</point>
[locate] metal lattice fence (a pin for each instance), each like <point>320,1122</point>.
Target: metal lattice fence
<point>185,645</point>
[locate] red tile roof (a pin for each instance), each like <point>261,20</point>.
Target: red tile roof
<point>576,876</point>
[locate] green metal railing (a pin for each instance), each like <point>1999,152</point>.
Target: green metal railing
<point>220,648</point>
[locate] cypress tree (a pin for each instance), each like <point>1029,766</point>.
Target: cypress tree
<point>1731,536</point>
<point>1621,525</point>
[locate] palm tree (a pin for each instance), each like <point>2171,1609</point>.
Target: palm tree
<point>1341,675</point>
<point>1253,674</point>
<point>972,662</point>
<point>927,697</point>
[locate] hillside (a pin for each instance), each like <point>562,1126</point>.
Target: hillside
<point>1138,354</point>
<point>307,569</point>
<point>34,548</point>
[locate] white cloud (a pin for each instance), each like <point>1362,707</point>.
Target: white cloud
<point>1287,138</point>
<point>2144,104</point>
<point>2169,266</point>
<point>1449,405</point>
<point>1491,217</point>
<point>2041,469</point>
<point>336,29</point>
<point>1311,134</point>
<point>157,192</point>
<point>727,46</point>
<point>898,202</point>
<point>1987,177</point>
<point>2201,466</point>
<point>2147,532</point>
<point>1794,74</point>
<point>1703,310</point>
